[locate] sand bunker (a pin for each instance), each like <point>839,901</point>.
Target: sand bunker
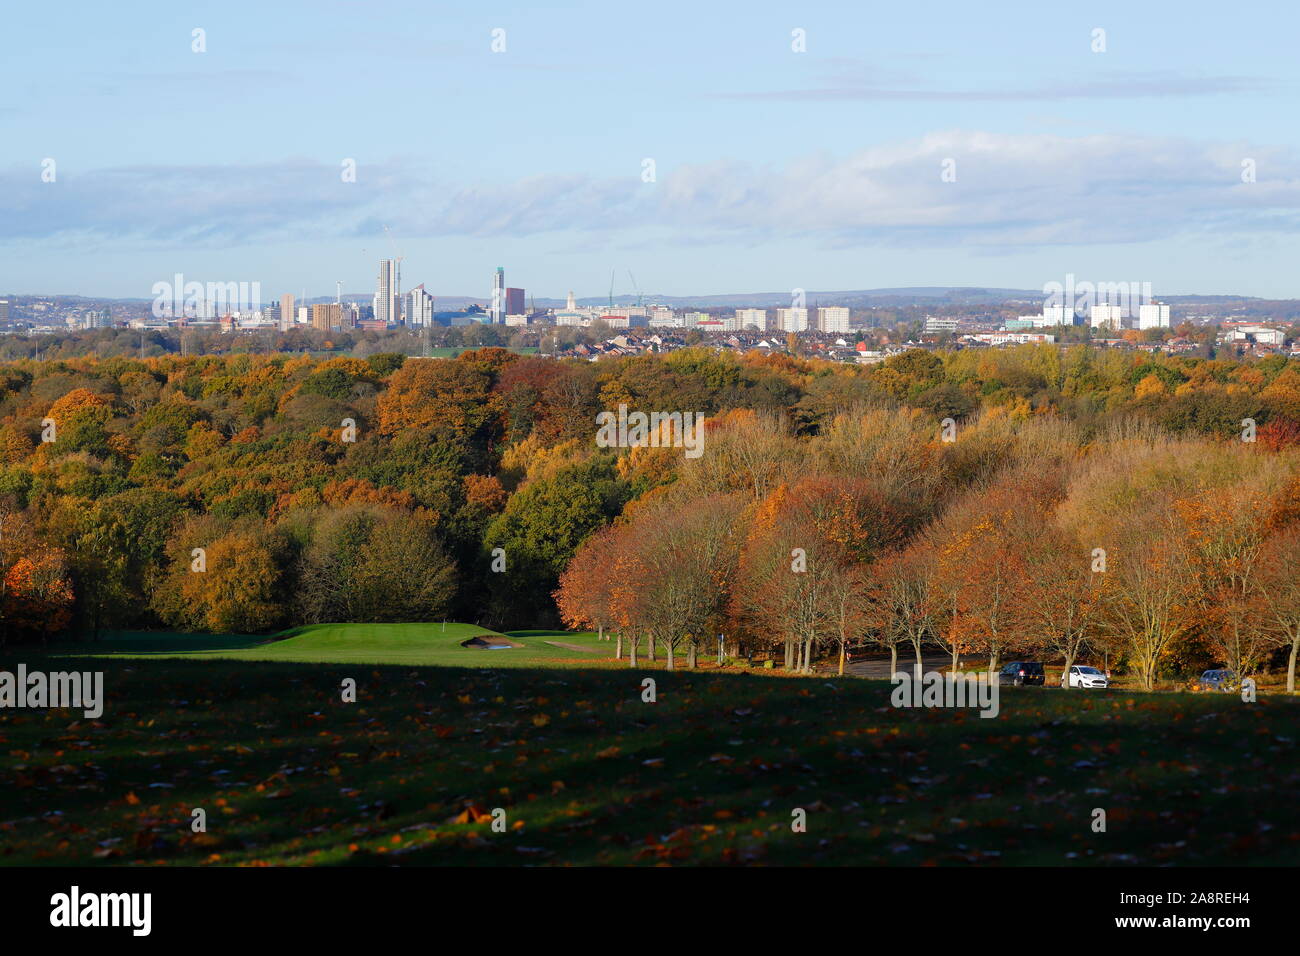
<point>490,642</point>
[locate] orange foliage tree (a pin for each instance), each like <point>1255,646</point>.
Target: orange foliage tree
<point>38,595</point>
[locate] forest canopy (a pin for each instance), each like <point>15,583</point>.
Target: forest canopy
<point>248,493</point>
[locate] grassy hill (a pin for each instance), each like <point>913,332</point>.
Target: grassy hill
<point>437,644</point>
<point>587,772</point>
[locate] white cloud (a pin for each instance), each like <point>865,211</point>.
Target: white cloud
<point>1010,191</point>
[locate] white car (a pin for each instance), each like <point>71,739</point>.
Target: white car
<point>1081,676</point>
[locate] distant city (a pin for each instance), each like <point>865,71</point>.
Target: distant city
<point>864,326</point>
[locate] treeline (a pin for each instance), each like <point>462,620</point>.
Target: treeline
<point>153,343</point>
<point>251,492</point>
<point>1022,537</point>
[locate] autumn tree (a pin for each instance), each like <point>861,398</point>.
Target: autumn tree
<point>1225,532</point>
<point>689,556</point>
<point>848,614</point>
<point>897,609</point>
<point>1059,595</point>
<point>1151,591</point>
<point>371,563</point>
<point>234,585</point>
<point>540,529</point>
<point>1278,590</point>
<point>585,594</point>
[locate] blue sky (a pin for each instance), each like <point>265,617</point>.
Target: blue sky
<point>774,169</point>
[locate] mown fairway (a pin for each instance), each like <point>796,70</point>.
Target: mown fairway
<point>438,644</point>
<point>588,773</point>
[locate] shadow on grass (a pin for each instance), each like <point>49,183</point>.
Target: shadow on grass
<point>585,772</point>
<point>165,642</point>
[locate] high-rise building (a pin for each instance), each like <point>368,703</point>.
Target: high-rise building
<point>286,312</point>
<point>757,318</point>
<point>326,317</point>
<point>514,301</point>
<point>792,320</point>
<point>1153,315</point>
<point>419,307</point>
<point>387,305</point>
<point>1107,317</point>
<point>4,311</point>
<point>833,318</point>
<point>1055,315</point>
<point>497,311</point>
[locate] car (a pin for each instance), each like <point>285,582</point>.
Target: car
<point>1022,673</point>
<point>1221,680</point>
<point>1083,676</point>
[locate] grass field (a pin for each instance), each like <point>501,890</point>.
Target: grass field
<point>587,773</point>
<point>426,644</point>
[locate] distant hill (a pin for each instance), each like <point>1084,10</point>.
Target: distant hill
<point>922,296</point>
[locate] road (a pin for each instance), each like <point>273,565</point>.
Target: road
<point>878,667</point>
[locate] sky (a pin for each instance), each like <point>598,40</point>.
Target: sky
<point>684,148</point>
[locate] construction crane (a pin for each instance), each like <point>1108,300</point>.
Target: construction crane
<point>611,288</point>
<point>635,287</point>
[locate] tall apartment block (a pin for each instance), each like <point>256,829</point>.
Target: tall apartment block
<point>1107,317</point>
<point>326,317</point>
<point>1153,315</point>
<point>792,320</point>
<point>497,307</point>
<point>419,307</point>
<point>387,307</point>
<point>833,318</point>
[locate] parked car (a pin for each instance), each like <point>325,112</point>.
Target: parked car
<point>1221,680</point>
<point>1083,676</point>
<point>1021,673</point>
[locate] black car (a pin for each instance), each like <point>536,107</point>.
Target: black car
<point>1020,673</point>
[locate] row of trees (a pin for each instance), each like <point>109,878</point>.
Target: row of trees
<point>1164,554</point>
